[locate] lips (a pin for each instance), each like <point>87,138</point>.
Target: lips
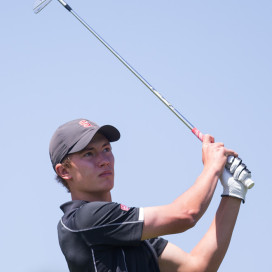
<point>106,173</point>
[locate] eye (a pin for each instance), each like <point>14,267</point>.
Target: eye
<point>107,149</point>
<point>88,154</point>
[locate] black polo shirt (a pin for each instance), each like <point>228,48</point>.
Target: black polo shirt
<point>106,237</point>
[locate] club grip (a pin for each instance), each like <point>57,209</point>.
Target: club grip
<point>249,183</point>
<point>198,134</point>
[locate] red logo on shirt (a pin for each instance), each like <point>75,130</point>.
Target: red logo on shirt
<point>124,207</point>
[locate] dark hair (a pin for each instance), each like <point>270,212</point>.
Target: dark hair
<point>65,163</point>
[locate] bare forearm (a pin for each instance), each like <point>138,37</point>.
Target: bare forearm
<point>194,202</point>
<point>182,213</point>
<point>211,250</point>
<point>198,197</point>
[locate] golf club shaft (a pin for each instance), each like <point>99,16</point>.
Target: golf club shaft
<point>141,78</point>
<point>195,131</point>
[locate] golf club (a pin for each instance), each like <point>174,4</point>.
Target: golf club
<point>41,4</point>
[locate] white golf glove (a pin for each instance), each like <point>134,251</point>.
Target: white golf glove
<point>236,179</point>
<point>239,171</point>
<point>232,187</point>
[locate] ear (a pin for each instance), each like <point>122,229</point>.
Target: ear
<point>62,171</point>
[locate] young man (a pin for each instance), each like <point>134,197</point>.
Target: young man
<point>97,234</point>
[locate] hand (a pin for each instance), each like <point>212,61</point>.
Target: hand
<point>239,171</point>
<point>232,187</point>
<point>214,155</point>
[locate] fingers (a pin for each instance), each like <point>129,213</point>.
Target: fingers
<point>208,139</point>
<point>215,154</point>
<point>239,171</point>
<point>230,152</point>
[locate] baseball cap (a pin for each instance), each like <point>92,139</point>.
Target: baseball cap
<point>75,135</point>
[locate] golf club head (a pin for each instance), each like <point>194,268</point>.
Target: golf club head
<point>39,5</point>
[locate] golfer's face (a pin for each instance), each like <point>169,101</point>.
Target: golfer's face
<point>92,169</point>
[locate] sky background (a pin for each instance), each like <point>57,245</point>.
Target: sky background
<point>211,59</point>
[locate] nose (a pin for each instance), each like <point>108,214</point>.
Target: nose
<point>103,160</point>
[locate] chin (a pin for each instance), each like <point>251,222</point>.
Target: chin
<point>108,185</point>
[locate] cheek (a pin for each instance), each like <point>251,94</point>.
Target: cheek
<point>88,170</point>
<point>83,171</point>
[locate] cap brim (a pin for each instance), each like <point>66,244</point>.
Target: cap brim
<point>110,132</point>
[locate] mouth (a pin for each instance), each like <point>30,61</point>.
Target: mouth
<point>105,173</point>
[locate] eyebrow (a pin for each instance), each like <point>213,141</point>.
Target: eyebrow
<point>92,148</point>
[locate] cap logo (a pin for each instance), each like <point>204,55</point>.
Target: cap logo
<point>85,123</point>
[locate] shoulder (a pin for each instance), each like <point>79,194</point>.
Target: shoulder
<point>85,214</point>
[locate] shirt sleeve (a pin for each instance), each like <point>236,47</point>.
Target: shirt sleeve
<point>108,223</point>
<point>158,245</point>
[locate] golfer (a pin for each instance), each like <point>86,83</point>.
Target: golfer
<point>99,235</point>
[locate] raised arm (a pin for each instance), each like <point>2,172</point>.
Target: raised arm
<point>187,209</point>
<point>210,251</point>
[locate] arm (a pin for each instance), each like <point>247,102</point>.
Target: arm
<point>188,208</point>
<point>210,251</point>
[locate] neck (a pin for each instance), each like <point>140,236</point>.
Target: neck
<point>91,197</point>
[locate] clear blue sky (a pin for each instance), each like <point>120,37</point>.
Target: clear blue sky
<point>211,59</point>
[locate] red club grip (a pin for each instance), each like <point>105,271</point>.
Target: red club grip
<point>198,134</point>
